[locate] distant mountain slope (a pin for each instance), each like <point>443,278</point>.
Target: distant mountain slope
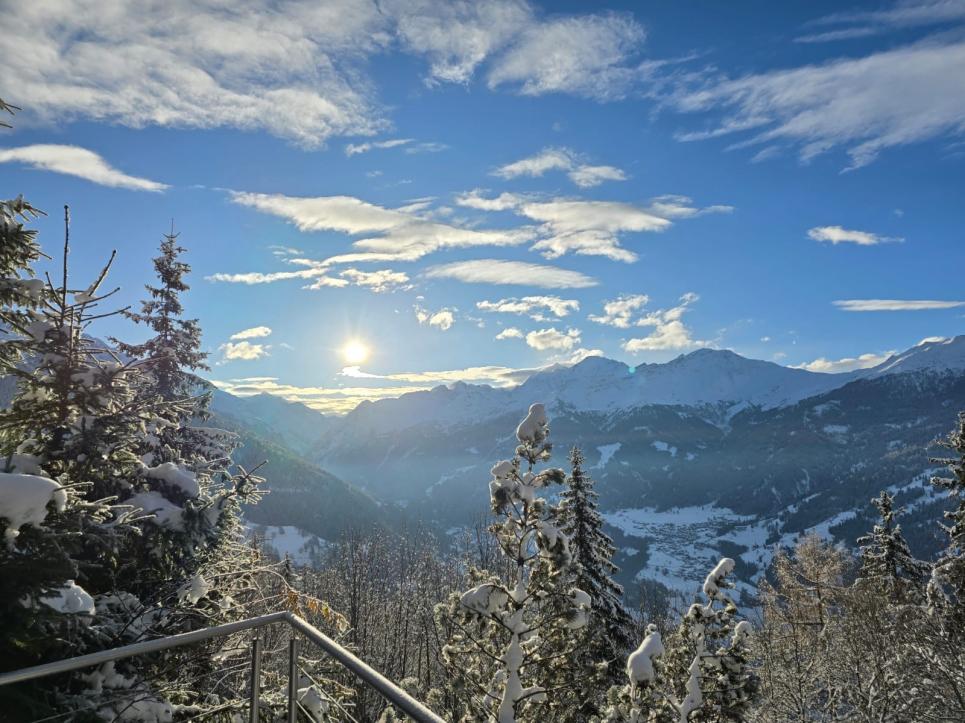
<point>300,492</point>
<point>291,424</point>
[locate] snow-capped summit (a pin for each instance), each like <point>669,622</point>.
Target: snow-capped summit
<point>705,376</point>
<point>938,354</point>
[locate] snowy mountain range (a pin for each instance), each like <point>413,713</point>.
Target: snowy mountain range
<point>705,378</point>
<point>741,453</point>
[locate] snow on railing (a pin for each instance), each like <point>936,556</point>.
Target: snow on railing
<point>372,678</point>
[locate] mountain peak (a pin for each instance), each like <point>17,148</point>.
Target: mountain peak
<point>933,354</point>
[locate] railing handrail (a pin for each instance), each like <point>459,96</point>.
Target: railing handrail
<point>368,675</point>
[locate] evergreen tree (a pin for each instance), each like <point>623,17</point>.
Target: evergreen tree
<point>511,656</point>
<point>610,631</point>
<point>886,558</point>
<point>948,576</point>
<point>175,347</point>
<point>19,290</point>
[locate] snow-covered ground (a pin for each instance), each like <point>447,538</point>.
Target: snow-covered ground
<point>302,547</point>
<point>683,541</point>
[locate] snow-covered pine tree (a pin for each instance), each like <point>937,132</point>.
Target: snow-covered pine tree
<point>510,657</point>
<point>948,574</point>
<point>609,634</point>
<point>102,547</point>
<point>700,674</point>
<point>175,347</point>
<point>886,559</point>
<point>20,291</point>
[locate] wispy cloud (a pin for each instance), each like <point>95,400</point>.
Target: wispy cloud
<point>561,159</point>
<point>847,364</point>
<point>329,400</point>
<point>904,14</point>
<point>76,161</point>
<point>591,228</point>
<point>587,55</point>
<point>496,376</point>
<point>837,235</point>
<point>669,332</point>
<point>511,273</point>
<point>896,304</point>
<point>254,332</point>
<point>353,149</point>
<point>869,104</point>
<point>554,339</point>
<point>532,306</point>
<point>387,234</point>
<point>378,281</point>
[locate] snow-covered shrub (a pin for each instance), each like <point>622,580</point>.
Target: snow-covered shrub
<point>701,673</point>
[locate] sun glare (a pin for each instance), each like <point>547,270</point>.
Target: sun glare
<point>355,352</point>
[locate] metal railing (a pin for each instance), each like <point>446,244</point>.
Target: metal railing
<point>375,680</point>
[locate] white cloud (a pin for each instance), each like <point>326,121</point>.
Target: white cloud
<point>532,306</point>
<point>388,234</point>
<point>497,271</point>
<point>510,333</point>
<point>868,104</point>
<point>254,332</point>
<point>847,364</point>
<point>591,228</point>
<point>550,159</point>
<point>353,149</point>
<point>75,161</point>
<point>502,202</point>
<point>557,159</point>
<point>589,176</point>
<point>552,338</point>
<point>457,35</point>
<point>243,350</point>
<point>586,55</point>
<point>837,235</point>
<point>620,312</point>
<point>669,332</point>
<point>293,71</point>
<point>674,206</point>
<point>378,281</point>
<point>895,304</point>
<point>442,319</point>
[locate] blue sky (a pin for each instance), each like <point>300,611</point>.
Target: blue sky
<point>784,180</point>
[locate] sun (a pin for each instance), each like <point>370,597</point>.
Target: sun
<point>355,351</point>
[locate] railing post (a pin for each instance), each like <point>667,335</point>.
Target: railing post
<point>292,679</point>
<point>255,678</point>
